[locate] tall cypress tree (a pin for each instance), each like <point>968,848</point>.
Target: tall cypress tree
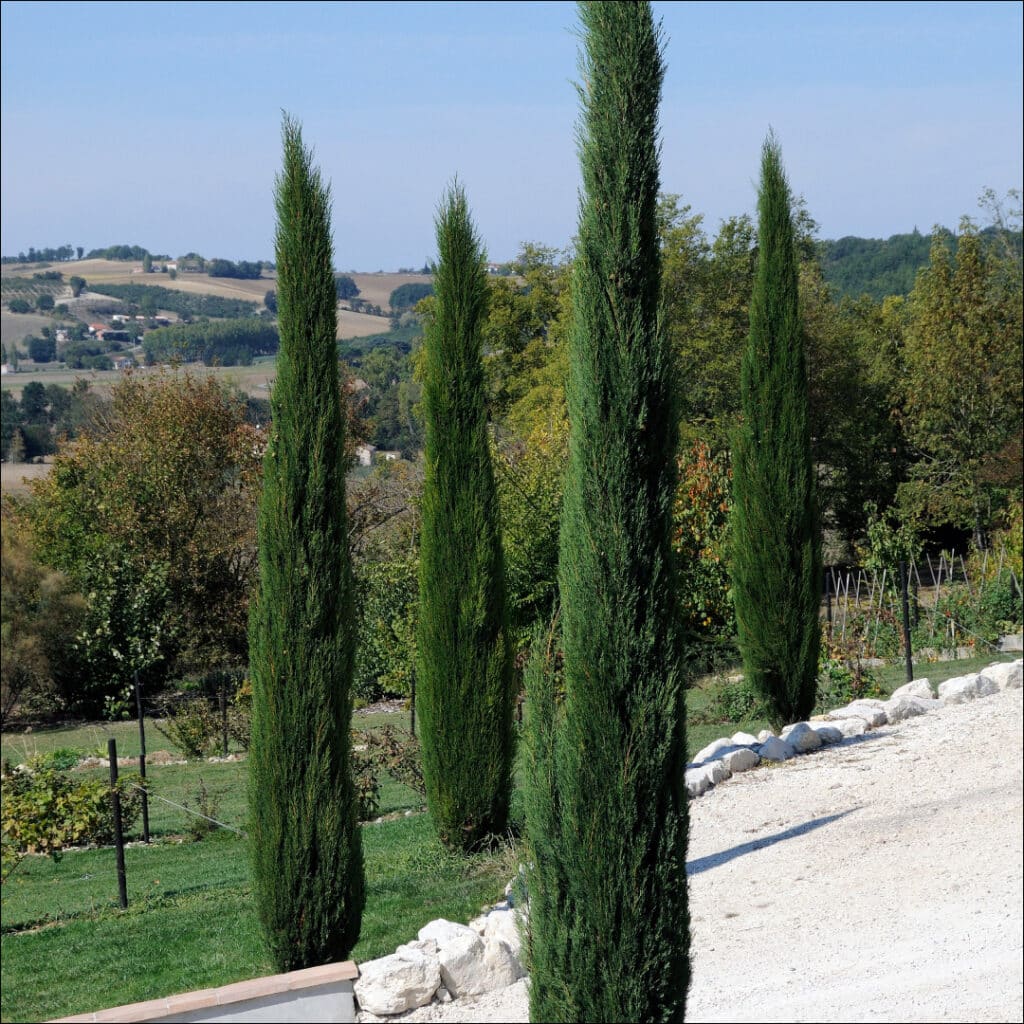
<point>776,556</point>
<point>465,681</point>
<point>606,804</point>
<point>306,845</point>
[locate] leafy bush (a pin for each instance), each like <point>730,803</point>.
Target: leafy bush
<point>398,755</point>
<point>45,810</point>
<point>386,652</point>
<point>364,775</point>
<point>62,759</point>
<point>207,805</point>
<point>736,702</point>
<point>193,726</point>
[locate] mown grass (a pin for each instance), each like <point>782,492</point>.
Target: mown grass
<point>66,947</point>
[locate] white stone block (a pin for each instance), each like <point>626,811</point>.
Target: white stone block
<point>443,932</point>
<point>742,759</point>
<point>917,688</point>
<point>396,983</point>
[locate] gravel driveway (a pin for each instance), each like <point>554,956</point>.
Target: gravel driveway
<point>875,881</point>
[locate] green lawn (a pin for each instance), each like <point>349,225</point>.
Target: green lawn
<point>191,923</point>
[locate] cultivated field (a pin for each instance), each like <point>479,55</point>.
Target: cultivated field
<point>18,326</point>
<point>253,380</point>
<point>374,288</point>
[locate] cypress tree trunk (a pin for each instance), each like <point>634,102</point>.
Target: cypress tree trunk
<point>465,685</point>
<point>606,804</point>
<point>776,558</point>
<point>306,845</point>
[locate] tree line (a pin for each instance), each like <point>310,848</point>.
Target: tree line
<point>221,342</point>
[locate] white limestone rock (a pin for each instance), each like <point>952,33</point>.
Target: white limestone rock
<point>712,751</point>
<point>801,737</point>
<point>917,688</point>
<point>827,732</point>
<point>774,749</point>
<point>764,735</point>
<point>479,924</point>
<point>471,967</point>
<point>744,739</point>
<point>851,726</point>
<point>871,711</point>
<point>697,782</point>
<point>444,932</point>
<point>961,689</point>
<point>503,925</point>
<point>742,759</point>
<point>393,984</point>
<point>1007,675</point>
<point>900,708</point>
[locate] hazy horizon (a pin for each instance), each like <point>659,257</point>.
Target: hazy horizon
<point>159,125</point>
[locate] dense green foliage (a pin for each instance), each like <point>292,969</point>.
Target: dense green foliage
<point>607,807</point>
<point>345,287</point>
<point>874,266</point>
<point>40,616</point>
<point>405,296</point>
<point>122,252</point>
<point>306,844</point>
<point>464,656</point>
<point>244,269</point>
<point>49,254</point>
<point>225,343</point>
<point>150,513</point>
<point>962,388</point>
<point>776,546</point>
<point>46,808</point>
<point>185,304</point>
<point>44,414</point>
<point>386,652</point>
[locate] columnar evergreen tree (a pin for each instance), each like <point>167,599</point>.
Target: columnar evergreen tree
<point>465,684</point>
<point>306,846</point>
<point>776,556</point>
<point>606,804</point>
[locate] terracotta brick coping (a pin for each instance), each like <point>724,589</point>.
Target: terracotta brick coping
<point>256,988</point>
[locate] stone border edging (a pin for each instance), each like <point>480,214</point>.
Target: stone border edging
<point>224,996</point>
<point>725,757</point>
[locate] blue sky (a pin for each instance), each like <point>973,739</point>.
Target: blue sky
<point>158,124</point>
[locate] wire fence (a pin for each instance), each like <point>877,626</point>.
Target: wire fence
<point>862,614</point>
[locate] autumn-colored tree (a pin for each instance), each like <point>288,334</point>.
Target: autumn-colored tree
<point>163,478</point>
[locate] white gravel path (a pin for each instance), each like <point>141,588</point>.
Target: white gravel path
<point>880,880</point>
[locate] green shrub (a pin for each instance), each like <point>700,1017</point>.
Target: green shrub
<point>364,775</point>
<point>386,652</point>
<point>398,754</point>
<point>45,810</point>
<point>207,805</point>
<point>62,759</point>
<point>193,726</point>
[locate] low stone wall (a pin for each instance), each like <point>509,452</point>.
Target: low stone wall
<point>317,995</point>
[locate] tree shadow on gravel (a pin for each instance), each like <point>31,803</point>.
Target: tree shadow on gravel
<point>714,860</point>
